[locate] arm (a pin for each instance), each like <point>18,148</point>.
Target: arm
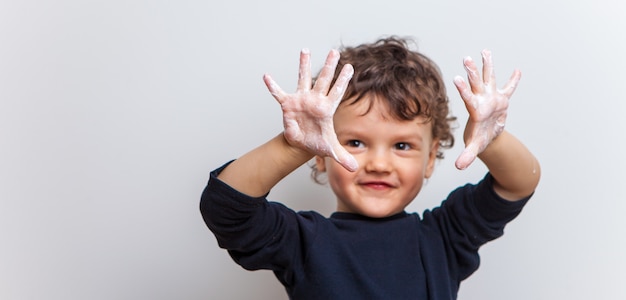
<point>515,170</point>
<point>257,171</point>
<point>309,131</point>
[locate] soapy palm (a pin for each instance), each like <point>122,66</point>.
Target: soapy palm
<point>487,107</point>
<point>308,113</point>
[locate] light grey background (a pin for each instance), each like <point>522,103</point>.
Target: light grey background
<point>113,112</point>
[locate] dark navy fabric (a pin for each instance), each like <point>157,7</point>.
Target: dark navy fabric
<point>348,256</point>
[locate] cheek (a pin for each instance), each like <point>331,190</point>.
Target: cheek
<point>413,173</point>
<point>338,175</point>
<point>413,181</point>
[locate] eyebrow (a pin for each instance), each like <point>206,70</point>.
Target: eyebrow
<point>409,136</point>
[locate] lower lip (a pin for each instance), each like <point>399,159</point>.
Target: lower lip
<point>376,186</point>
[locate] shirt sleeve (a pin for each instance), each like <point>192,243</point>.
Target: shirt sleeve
<point>258,234</point>
<point>471,216</point>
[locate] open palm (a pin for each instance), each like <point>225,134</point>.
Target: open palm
<point>308,113</point>
<point>486,104</point>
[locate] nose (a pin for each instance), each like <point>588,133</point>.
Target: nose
<point>378,160</point>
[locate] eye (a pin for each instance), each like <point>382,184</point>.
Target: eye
<point>403,146</point>
<point>355,143</point>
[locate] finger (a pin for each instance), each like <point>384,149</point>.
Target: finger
<point>339,89</point>
<point>466,94</point>
<point>489,77</point>
<point>475,82</point>
<point>304,74</point>
<point>273,88</point>
<point>344,158</point>
<point>465,159</point>
<point>511,85</point>
<point>463,88</point>
<point>322,84</point>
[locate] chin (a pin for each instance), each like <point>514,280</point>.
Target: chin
<point>379,213</point>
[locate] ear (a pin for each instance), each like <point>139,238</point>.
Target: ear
<point>320,164</point>
<point>432,157</point>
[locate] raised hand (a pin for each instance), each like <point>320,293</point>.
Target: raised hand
<point>486,104</point>
<point>308,113</point>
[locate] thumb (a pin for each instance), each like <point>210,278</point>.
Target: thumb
<point>465,159</point>
<point>344,158</point>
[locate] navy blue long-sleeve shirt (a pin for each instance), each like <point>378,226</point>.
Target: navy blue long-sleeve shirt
<point>349,256</point>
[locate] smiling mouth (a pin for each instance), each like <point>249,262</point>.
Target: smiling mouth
<point>377,185</point>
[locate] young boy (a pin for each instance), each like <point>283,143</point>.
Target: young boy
<point>376,136</point>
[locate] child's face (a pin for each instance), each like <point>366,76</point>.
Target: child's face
<point>394,158</point>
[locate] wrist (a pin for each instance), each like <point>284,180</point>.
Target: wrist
<point>293,152</point>
<point>493,145</point>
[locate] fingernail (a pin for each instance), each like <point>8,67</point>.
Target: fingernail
<point>352,165</point>
<point>351,68</point>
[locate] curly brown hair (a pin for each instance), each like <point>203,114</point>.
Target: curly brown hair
<point>410,84</point>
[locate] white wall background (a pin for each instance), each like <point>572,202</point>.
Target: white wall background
<point>113,112</point>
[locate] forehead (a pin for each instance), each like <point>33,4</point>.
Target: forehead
<point>372,113</point>
<point>370,103</point>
